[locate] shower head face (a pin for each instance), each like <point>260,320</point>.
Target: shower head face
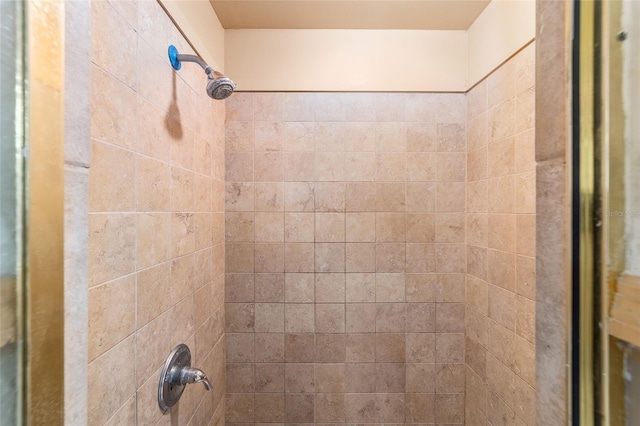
<point>219,86</point>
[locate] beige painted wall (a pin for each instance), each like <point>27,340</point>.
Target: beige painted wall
<point>503,28</point>
<point>346,60</point>
<point>359,60</point>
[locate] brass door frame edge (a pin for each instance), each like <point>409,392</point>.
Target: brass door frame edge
<point>44,213</point>
<point>588,210</point>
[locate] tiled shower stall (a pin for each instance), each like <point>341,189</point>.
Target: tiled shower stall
<point>345,257</point>
<point>364,257</point>
<point>360,229</point>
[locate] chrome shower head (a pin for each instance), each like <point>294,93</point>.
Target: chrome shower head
<point>218,85</point>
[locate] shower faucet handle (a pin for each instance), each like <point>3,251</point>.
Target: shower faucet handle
<point>176,374</point>
<point>190,375</point>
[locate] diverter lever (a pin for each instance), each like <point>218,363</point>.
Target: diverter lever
<point>176,374</point>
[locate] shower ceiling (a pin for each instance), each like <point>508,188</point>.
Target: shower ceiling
<point>349,14</point>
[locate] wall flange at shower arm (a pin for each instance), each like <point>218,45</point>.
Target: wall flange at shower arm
<point>219,86</point>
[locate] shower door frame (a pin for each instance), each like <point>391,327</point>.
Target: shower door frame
<point>43,206</point>
<point>597,383</point>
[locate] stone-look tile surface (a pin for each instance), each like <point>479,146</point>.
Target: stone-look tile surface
<point>500,299</point>
<point>345,257</point>
<point>156,221</point>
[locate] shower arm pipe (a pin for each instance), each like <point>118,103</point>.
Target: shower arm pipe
<point>208,69</point>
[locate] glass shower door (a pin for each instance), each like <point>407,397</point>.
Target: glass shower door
<point>11,142</point>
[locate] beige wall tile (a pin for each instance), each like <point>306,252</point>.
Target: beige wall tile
<point>268,167</point>
<point>299,318</point>
<point>152,286</point>
<point>421,258</point>
<point>360,136</point>
<point>391,227</point>
<point>360,197</point>
<point>449,348</point>
<point>110,177</point>
<point>421,378</point>
<point>299,196</point>
<point>299,136</point>
<point>182,277</point>
<point>360,287</point>
<point>269,317</point>
<point>391,166</point>
<point>239,167</point>
<point>152,347</point>
<point>152,185</point>
<point>449,408</point>
<point>108,327</point>
<point>450,228</point>
<point>525,276</point>
<point>268,106</point>
<point>477,196</point>
<point>450,197</point>
<point>269,257</point>
<point>359,166</point>
<point>330,318</point>
<point>299,166</point>
<point>299,408</point>
<point>477,100</point>
<point>154,133</point>
<point>269,197</point>
<point>360,107</point>
<point>502,306</point>
<point>451,137</point>
<point>111,246</point>
<point>525,151</point>
<point>477,294</point>
<point>502,157</point>
<point>450,288</point>
<point>240,108</point>
<point>329,135</point>
<point>299,288</point>
<point>525,109</point>
<point>478,131</point>
<point>182,190</point>
<point>269,135</point>
<point>360,257</point>
<point>153,234</point>
<point>269,287</point>
<point>330,197</point>
<point>420,287</point>
<point>269,227</point>
<point>239,136</point>
<point>360,318</point>
<point>360,377</point>
<point>329,227</point>
<point>422,137</point>
<point>113,111</point>
<point>421,348</point>
<point>390,377</point>
<point>477,161</point>
<point>330,348</point>
<point>360,347</point>
<point>182,148</point>
<point>451,167</point>
<point>111,381</point>
<point>421,196</point>
<point>182,234</point>
<point>391,317</point>
<point>330,257</point>
<point>156,90</point>
<point>330,288</point>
